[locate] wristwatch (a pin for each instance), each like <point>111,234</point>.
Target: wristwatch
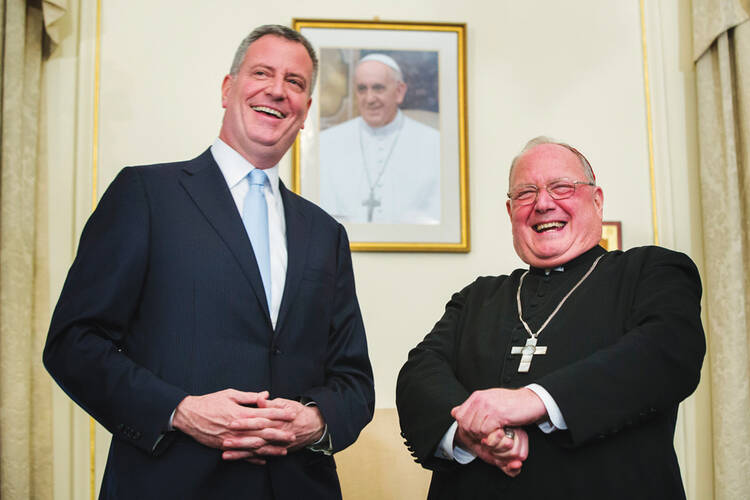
<point>324,444</point>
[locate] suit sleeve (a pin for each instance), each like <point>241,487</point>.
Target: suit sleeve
<point>347,399</point>
<point>101,295</point>
<point>427,387</point>
<point>653,366</point>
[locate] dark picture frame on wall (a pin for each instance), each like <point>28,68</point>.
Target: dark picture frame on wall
<point>384,145</point>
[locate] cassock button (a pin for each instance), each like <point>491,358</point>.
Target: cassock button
<point>275,350</point>
<point>506,378</point>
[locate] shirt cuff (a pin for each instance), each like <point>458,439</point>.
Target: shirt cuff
<point>446,450</point>
<point>555,420</point>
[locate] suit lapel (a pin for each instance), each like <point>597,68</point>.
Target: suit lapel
<point>205,184</point>
<point>297,240</point>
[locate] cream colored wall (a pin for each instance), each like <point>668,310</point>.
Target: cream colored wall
<point>572,70</point>
<point>672,87</point>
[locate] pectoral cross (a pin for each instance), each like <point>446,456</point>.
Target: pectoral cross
<point>371,203</point>
<point>527,353</point>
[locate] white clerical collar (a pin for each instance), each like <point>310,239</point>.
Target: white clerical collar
<point>387,129</point>
<point>559,269</point>
<point>234,167</point>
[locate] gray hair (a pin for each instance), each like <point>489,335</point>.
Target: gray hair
<point>280,31</point>
<point>537,141</point>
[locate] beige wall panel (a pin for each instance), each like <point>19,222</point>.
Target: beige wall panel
<point>378,466</point>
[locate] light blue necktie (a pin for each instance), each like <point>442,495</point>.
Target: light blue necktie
<point>255,217</point>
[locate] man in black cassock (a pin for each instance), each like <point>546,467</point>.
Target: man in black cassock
<point>561,380</point>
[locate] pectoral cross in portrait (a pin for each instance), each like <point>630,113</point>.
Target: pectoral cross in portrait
<point>527,353</point>
<point>371,203</point>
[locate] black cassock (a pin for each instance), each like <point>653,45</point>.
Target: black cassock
<point>622,352</point>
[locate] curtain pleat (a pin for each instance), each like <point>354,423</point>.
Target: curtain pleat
<point>723,89</point>
<point>25,389</point>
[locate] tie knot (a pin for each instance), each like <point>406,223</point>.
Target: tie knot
<point>257,177</point>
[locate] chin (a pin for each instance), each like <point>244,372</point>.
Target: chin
<point>547,259</point>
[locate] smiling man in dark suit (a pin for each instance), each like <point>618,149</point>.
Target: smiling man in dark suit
<point>209,320</point>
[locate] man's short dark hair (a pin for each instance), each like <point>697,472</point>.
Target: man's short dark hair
<point>280,31</point>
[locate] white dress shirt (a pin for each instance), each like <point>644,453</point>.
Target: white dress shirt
<point>235,168</point>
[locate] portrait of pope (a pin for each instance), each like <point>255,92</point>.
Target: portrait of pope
<point>380,136</point>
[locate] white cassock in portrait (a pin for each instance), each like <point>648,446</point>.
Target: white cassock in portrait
<point>388,175</point>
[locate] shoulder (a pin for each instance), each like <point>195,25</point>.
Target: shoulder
<point>165,172</point>
<point>651,260</point>
<point>415,127</point>
<point>486,286</point>
<point>170,169</point>
<point>140,182</point>
<point>649,254</point>
<point>305,206</point>
<point>348,127</point>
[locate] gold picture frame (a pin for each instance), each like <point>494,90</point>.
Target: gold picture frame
<point>611,235</point>
<point>421,204</point>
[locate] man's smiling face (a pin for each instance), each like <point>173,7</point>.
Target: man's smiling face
<point>548,232</point>
<point>266,102</point>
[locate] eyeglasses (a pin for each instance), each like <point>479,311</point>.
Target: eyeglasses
<point>558,190</point>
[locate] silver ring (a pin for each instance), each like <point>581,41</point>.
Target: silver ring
<point>510,433</point>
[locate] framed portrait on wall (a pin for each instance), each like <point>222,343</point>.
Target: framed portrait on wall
<point>384,145</point>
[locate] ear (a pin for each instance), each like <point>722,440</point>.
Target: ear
<point>226,87</point>
<point>599,201</point>
<point>309,102</point>
<point>400,92</point>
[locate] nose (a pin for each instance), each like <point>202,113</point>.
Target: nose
<point>275,88</point>
<point>369,96</point>
<point>544,202</point>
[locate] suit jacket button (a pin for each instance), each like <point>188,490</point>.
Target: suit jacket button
<point>275,350</point>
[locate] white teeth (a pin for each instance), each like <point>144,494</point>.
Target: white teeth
<point>270,111</point>
<point>547,225</point>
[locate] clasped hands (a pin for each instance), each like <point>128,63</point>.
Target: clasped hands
<point>483,419</point>
<point>271,427</point>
